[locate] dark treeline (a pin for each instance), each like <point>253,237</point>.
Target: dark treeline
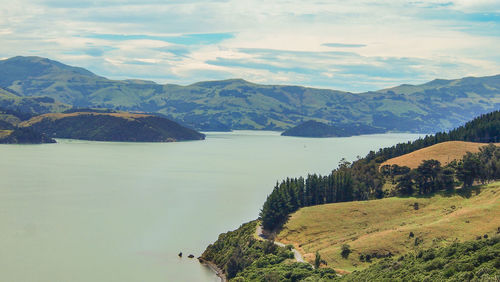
<point>19,114</point>
<point>485,129</point>
<point>349,182</point>
<point>363,180</point>
<point>26,135</point>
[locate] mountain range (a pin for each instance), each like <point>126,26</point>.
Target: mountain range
<point>39,85</point>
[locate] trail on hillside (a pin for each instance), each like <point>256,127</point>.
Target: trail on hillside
<point>297,255</point>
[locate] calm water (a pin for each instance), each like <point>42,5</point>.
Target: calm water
<point>98,211</point>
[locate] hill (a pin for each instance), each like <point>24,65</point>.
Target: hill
<point>313,128</point>
<point>445,153</point>
<point>103,126</point>
<point>391,226</point>
<point>11,100</point>
<point>238,104</point>
<point>11,134</point>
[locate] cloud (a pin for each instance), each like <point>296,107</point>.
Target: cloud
<point>183,39</point>
<point>343,45</point>
<point>352,45</point>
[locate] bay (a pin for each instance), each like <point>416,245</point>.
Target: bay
<point>106,211</point>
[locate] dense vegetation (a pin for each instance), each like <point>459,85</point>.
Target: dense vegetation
<point>362,180</point>
<point>313,128</point>
<point>25,136</point>
<point>112,127</point>
<point>469,261</point>
<point>11,134</point>
<point>238,104</point>
<point>12,116</point>
<point>244,258</point>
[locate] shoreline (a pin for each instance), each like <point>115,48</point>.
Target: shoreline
<point>219,272</point>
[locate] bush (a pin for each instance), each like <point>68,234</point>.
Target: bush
<point>345,251</point>
<point>468,261</point>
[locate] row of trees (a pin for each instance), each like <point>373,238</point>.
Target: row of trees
<point>347,183</point>
<point>430,176</point>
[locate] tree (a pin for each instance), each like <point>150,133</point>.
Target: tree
<point>234,265</point>
<point>317,260</point>
<point>447,179</point>
<point>468,169</point>
<point>345,250</point>
<point>404,184</point>
<point>427,175</point>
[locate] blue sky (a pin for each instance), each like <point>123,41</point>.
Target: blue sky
<point>354,45</point>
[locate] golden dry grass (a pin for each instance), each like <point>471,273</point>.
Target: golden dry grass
<point>55,116</point>
<point>383,226</point>
<point>443,152</point>
<point>5,133</point>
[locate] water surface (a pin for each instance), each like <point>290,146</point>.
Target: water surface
<point>104,211</point>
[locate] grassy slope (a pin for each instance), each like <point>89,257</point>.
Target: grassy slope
<point>382,226</point>
<point>55,116</point>
<point>33,105</point>
<point>443,152</point>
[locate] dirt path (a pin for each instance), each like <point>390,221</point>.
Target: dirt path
<point>296,254</point>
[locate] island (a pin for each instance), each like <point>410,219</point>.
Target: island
<point>111,126</point>
<point>314,128</point>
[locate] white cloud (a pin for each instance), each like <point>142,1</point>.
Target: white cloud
<point>402,41</point>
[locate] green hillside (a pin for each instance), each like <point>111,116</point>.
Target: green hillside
<point>238,104</point>
<point>9,99</point>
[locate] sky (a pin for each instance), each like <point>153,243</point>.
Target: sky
<point>353,45</point>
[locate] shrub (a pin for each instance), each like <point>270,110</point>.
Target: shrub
<point>345,251</point>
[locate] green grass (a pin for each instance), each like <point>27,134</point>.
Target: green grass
<point>380,227</point>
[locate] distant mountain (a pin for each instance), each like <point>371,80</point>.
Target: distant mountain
<point>313,128</point>
<point>238,104</point>
<point>104,126</point>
